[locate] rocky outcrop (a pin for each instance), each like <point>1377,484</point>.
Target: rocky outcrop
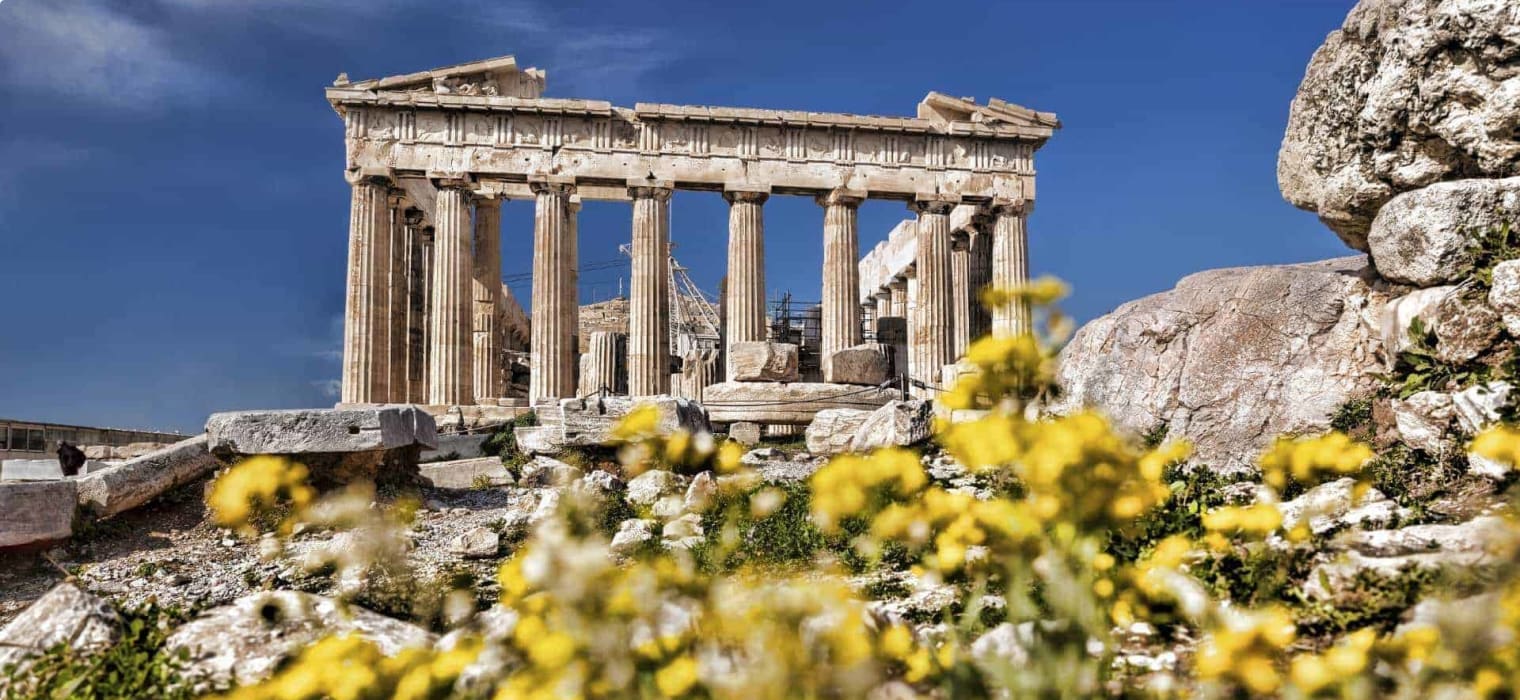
<point>1231,358</point>
<point>1426,237</point>
<point>1406,94</point>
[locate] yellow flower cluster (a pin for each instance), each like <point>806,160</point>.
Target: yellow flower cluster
<point>351,668</point>
<point>858,486</point>
<point>1316,673</point>
<point>644,447</point>
<point>255,486</point>
<point>1500,443</point>
<point>954,523</point>
<point>1255,521</point>
<point>1244,649</point>
<point>1312,460</point>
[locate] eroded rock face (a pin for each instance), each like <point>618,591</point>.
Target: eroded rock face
<point>1406,94</point>
<point>1504,295</point>
<point>1231,358</point>
<point>1426,237</point>
<point>246,641</point>
<point>1464,327</point>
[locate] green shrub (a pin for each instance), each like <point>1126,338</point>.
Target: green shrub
<point>137,666</point>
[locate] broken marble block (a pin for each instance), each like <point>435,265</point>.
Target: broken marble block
<point>761,361</point>
<point>589,422</point>
<point>380,443</point>
<point>36,513</point>
<point>64,614</point>
<point>866,364</point>
<point>796,403</point>
<point>121,487</point>
<point>832,431</point>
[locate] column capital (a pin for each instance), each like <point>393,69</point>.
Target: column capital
<point>960,239</point>
<point>1010,207</point>
<point>932,203</point>
<point>556,185</point>
<point>882,293</point>
<point>451,182</point>
<point>413,216</point>
<point>650,189</point>
<point>842,197</point>
<point>358,177</point>
<point>487,202</point>
<point>574,203</point>
<point>754,196</point>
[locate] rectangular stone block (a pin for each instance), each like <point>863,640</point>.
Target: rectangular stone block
<point>35,513</point>
<point>761,361</point>
<point>311,431</point>
<point>461,446</point>
<point>125,486</point>
<point>30,470</point>
<point>865,364</point>
<point>466,473</point>
<point>796,403</point>
<point>744,433</point>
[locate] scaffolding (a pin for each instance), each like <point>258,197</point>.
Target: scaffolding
<point>694,323</point>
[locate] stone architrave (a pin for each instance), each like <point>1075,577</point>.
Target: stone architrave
<point>489,380</point>
<point>451,310</point>
<point>554,320</point>
<point>649,293</point>
<point>840,317</point>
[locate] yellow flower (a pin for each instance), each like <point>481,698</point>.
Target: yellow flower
<point>676,677</point>
<point>258,484</point>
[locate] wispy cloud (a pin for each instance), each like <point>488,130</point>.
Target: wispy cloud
<point>331,388</point>
<point>89,51</point>
<point>582,59</point>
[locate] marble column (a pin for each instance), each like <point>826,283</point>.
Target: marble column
<point>960,293</point>
<point>980,275</point>
<point>553,328</point>
<point>1010,265</point>
<point>840,318</point>
<point>883,299</point>
<point>398,274</point>
<point>649,293</point>
<point>489,380</point>
<point>366,308</point>
<point>602,363</point>
<point>451,311</point>
<point>899,287</point>
<point>744,292</point>
<point>418,249</point>
<point>930,327</point>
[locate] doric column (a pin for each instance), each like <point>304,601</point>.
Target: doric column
<point>418,248</point>
<point>883,299</point>
<point>602,363</point>
<point>840,322</point>
<point>980,275</point>
<point>450,313</point>
<point>397,271</point>
<point>899,287</point>
<point>1010,264</point>
<point>744,292</point>
<point>649,293</point>
<point>489,382</point>
<point>366,309</point>
<point>553,326</point>
<point>930,327</point>
<point>960,293</point>
<point>572,302</point>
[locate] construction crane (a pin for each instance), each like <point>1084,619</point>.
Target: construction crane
<point>693,316</point>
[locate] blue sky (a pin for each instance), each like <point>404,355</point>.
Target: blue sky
<point>173,211</point>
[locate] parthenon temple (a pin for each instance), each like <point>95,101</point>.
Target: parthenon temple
<point>432,157</point>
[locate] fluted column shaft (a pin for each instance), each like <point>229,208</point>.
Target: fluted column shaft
<point>365,345</point>
<point>840,322</point>
<point>489,382</point>
<point>960,294</point>
<point>980,274</point>
<point>745,289</point>
<point>553,327</point>
<point>416,248</point>
<point>396,270</point>
<point>450,313</point>
<point>649,294</point>
<point>1010,266</point>
<point>899,303</point>
<point>931,327</point>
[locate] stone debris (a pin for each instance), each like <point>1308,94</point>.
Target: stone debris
<point>246,641</point>
<point>1391,553</point>
<point>466,473</point>
<point>111,491</point>
<point>1399,313</point>
<point>477,543</point>
<point>1333,505</point>
<point>832,430</point>
<point>1478,407</point>
<point>762,362</point>
<point>744,433</point>
<point>37,513</point>
<point>547,471</point>
<point>64,614</point>
<point>43,469</point>
<point>589,422</point>
<point>1424,420</point>
<point>1464,328</point>
<point>896,424</point>
<point>632,534</point>
<point>1504,295</point>
<point>684,532</point>
<point>649,487</point>
<point>701,494</point>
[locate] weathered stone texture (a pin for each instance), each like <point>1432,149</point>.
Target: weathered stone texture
<point>1229,359</point>
<point>1464,327</point>
<point>126,486</point>
<point>466,473</point>
<point>1398,314</point>
<point>1426,237</point>
<point>832,430</point>
<point>303,431</point>
<point>896,424</point>
<point>589,422</point>
<point>34,513</point>
<point>796,403</point>
<point>64,614</point>
<point>1504,295</point>
<point>866,364</point>
<point>762,362</point>
<point>1407,93</point>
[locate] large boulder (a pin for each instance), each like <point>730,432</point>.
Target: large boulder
<point>1426,237</point>
<point>64,614</point>
<point>1406,94</point>
<point>1231,358</point>
<point>246,641</point>
<point>1464,327</point>
<point>796,403</point>
<point>760,361</point>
